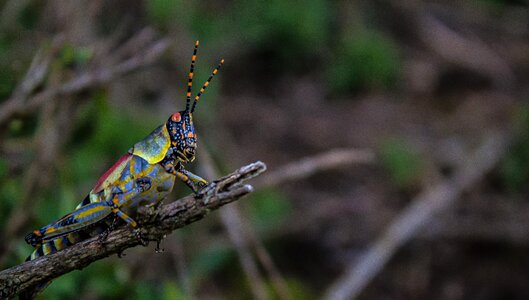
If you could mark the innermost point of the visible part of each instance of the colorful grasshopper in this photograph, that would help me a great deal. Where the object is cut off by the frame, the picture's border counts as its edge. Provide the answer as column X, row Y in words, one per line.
column 143, row 176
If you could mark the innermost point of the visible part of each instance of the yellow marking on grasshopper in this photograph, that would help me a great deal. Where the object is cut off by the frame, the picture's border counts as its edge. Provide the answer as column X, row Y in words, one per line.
column 46, row 249
column 59, row 243
column 90, row 211
column 50, row 230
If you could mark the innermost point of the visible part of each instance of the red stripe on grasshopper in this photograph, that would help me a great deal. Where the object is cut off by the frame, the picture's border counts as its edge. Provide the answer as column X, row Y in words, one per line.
column 118, row 166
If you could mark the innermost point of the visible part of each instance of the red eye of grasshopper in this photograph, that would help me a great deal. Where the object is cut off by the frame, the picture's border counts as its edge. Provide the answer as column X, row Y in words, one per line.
column 176, row 117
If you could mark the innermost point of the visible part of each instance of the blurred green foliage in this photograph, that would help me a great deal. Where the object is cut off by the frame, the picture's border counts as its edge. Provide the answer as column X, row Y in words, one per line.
column 71, row 56
column 98, row 280
column 8, row 76
column 3, row 168
column 171, row 291
column 402, row 163
column 286, row 29
column 291, row 28
column 207, row 261
column 162, row 12
column 493, row 4
column 29, row 16
column 143, row 290
column 23, row 128
column 10, row 192
column 7, row 80
column 299, row 291
column 364, row 60
column 268, row 208
column 515, row 167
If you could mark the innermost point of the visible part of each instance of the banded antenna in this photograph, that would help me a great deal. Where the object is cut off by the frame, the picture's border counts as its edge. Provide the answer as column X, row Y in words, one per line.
column 206, row 84
column 190, row 80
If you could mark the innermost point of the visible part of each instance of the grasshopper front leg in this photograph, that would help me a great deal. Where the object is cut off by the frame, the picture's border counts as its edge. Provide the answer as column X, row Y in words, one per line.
column 193, row 181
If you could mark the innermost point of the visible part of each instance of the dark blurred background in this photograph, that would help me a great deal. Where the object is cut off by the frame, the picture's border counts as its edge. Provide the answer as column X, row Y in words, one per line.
column 407, row 96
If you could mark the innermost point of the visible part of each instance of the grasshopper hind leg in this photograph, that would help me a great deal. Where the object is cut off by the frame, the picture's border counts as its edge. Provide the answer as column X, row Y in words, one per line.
column 81, row 218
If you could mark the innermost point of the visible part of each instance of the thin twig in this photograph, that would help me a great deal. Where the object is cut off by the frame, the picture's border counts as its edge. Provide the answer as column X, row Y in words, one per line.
column 235, row 227
column 35, row 76
column 433, row 200
column 310, row 165
column 269, row 266
column 464, row 50
column 179, row 261
column 244, row 238
column 158, row 224
column 89, row 79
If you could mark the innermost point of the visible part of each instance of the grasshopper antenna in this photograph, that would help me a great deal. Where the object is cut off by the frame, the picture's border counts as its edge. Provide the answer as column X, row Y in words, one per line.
column 206, row 84
column 190, row 80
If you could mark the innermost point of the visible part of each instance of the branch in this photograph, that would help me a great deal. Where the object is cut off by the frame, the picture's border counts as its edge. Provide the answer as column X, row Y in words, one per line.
column 311, row 165
column 454, row 47
column 418, row 214
column 18, row 105
column 156, row 226
column 235, row 228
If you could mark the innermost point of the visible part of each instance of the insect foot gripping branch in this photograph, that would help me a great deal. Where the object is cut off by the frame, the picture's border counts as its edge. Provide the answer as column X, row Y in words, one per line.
column 144, row 176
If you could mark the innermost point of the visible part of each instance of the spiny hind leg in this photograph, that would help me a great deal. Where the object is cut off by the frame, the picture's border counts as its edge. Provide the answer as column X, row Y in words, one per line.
column 74, row 221
column 133, row 224
column 120, row 198
column 121, row 215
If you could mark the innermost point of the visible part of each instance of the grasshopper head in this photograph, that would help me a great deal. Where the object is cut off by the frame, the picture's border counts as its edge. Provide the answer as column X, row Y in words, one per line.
column 180, row 124
column 183, row 136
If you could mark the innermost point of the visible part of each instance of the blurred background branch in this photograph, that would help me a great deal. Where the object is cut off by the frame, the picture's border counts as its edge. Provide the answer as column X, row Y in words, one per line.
column 416, row 215
column 145, row 54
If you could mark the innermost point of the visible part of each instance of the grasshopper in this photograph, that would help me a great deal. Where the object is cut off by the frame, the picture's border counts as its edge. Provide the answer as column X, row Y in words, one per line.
column 144, row 176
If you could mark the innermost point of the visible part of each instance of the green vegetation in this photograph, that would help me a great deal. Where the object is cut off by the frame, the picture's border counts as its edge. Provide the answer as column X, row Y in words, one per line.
column 402, row 163
column 268, row 209
column 367, row 60
column 272, row 25
column 71, row 56
column 515, row 167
